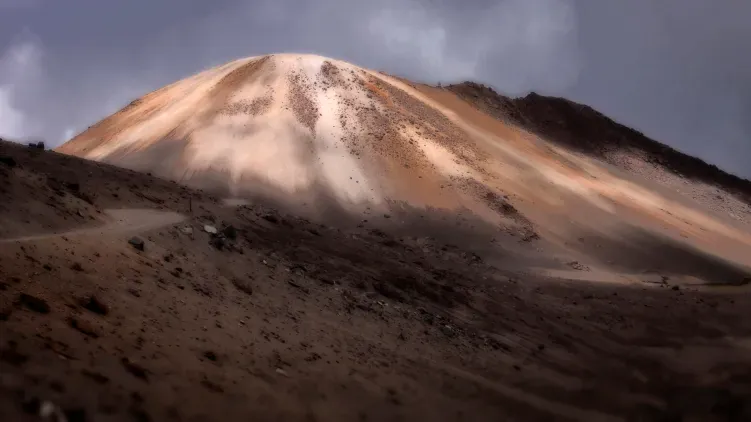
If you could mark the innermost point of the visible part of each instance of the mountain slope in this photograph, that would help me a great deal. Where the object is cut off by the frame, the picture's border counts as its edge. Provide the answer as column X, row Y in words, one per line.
column 326, row 138
column 584, row 129
column 297, row 125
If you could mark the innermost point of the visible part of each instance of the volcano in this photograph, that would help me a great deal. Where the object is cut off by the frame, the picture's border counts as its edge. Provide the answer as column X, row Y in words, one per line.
column 292, row 237
column 318, row 134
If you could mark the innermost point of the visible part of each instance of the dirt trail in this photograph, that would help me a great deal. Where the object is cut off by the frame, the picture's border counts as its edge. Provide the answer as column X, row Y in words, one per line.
column 122, row 221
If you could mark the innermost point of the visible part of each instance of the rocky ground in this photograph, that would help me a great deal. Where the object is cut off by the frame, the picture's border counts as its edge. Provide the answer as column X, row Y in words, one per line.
column 581, row 128
column 180, row 306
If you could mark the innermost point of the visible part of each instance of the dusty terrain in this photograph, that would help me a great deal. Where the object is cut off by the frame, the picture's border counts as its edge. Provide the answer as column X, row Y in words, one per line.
column 383, row 251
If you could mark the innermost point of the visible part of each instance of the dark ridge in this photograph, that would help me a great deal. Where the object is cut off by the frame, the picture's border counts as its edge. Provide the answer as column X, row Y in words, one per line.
column 583, row 129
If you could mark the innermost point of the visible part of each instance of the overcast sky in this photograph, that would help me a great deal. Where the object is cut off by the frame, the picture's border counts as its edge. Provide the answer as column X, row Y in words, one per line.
column 679, row 70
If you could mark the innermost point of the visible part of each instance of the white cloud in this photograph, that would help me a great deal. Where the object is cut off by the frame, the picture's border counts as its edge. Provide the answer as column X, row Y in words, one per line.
column 69, row 132
column 20, row 73
column 12, row 120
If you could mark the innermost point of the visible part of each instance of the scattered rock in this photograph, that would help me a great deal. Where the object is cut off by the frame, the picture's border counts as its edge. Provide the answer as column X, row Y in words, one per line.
column 448, row 331
column 134, row 369
column 95, row 305
column 578, row 266
column 298, row 286
column 137, row 243
column 50, row 411
column 388, row 291
column 83, row 327
column 210, row 229
column 96, row 376
column 34, row 303
column 270, row 218
column 217, row 242
column 243, row 286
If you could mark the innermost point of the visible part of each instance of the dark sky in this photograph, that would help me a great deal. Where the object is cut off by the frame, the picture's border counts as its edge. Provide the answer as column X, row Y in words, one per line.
column 679, row 70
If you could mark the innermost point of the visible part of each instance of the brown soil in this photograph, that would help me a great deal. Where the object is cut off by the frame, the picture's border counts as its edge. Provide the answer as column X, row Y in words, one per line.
column 416, row 315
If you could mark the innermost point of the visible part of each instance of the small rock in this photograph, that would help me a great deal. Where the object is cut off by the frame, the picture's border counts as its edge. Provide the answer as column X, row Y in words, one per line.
column 243, row 286
column 210, row 356
column 137, row 243
column 676, row 288
column 298, row 286
column 135, row 369
column 281, row 371
column 95, row 305
column 271, row 218
column 209, row 229
column 84, row 327
column 448, row 331
column 76, row 267
column 34, row 303
column 187, row 230
column 48, row 410
column 217, row 242
column 578, row 266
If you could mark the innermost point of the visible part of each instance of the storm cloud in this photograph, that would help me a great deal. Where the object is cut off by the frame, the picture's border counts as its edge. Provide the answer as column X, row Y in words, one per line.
column 679, row 70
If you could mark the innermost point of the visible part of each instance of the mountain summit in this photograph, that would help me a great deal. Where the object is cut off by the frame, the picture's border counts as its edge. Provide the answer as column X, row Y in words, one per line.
column 289, row 125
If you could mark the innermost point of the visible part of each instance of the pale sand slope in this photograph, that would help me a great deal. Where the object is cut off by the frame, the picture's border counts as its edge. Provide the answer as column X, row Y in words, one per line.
column 307, row 129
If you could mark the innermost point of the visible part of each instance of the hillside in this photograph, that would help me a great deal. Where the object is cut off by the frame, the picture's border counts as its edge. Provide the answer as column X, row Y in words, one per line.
column 581, row 128
column 292, row 237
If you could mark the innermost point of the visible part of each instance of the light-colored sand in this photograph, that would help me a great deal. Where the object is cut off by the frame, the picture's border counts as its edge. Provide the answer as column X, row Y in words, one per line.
column 302, row 127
